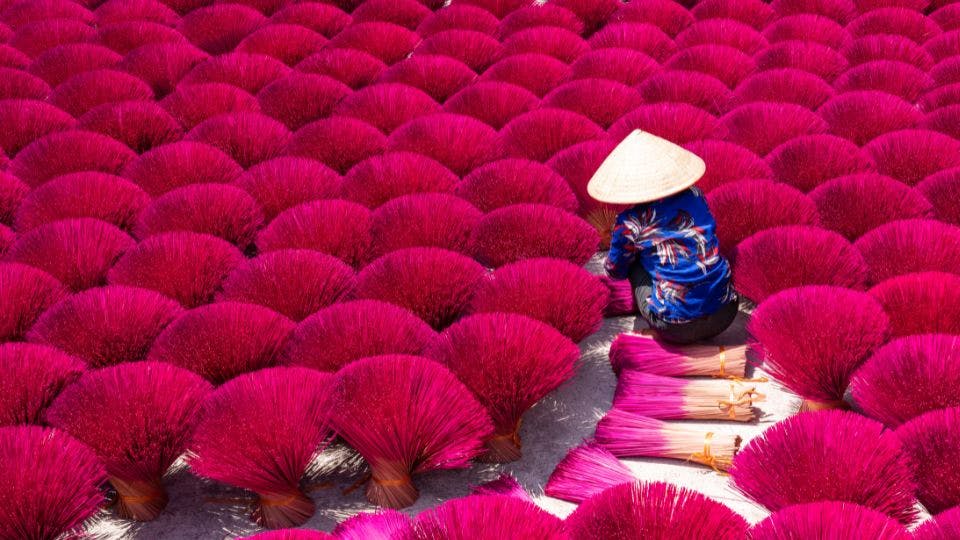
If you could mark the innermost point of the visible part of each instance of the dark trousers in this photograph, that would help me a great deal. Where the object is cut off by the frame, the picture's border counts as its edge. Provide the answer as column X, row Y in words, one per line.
column 684, row 333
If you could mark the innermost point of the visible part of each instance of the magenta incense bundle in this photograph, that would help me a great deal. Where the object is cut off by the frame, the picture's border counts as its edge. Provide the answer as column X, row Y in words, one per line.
column 493, row 103
column 28, row 293
column 137, row 417
column 931, row 442
column 830, row 520
column 406, row 426
column 630, row 435
column 641, row 352
column 530, row 360
column 384, row 524
column 259, row 432
column 668, row 398
column 31, row 376
column 488, row 517
column 585, row 471
column 945, row 526
column 655, row 510
column 505, row 484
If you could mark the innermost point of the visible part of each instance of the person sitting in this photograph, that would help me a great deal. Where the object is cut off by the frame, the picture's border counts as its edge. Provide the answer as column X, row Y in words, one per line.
column 665, row 242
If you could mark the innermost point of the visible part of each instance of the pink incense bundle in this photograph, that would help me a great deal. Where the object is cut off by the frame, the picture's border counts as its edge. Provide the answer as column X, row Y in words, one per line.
column 290, row 534
column 813, row 338
column 627, row 66
column 27, row 293
column 406, row 426
column 18, row 14
column 487, row 517
column 556, row 292
column 945, row 526
column 326, row 19
column 52, row 483
column 722, row 31
column 275, row 280
column 725, row 63
column 423, row 220
column 668, row 398
column 18, row 84
column 141, row 125
column 943, row 119
column 494, row 103
column 114, row 11
column 31, row 376
column 339, row 334
column 384, row 177
column 505, row 484
column 626, row 434
column 185, row 266
column 728, row 162
column 909, row 376
column 386, row 41
column 897, row 78
column 407, row 13
column 125, row 37
column 508, row 235
column 440, row 76
column 137, row 417
column 64, row 152
column 475, row 49
column 677, row 122
column 763, row 126
column 559, row 43
column 531, row 360
column 353, row 68
column 161, row 64
column 746, row 207
column 820, row 27
column 538, row 135
column 821, row 60
column 285, row 182
column 386, row 106
column 191, row 104
column 36, row 37
column 12, row 192
column 788, row 85
column 655, row 511
column 576, row 165
column 807, row 161
column 259, row 432
column 215, row 340
column 698, row 89
column 334, row 227
column 667, row 15
column 435, row 284
column 887, row 47
column 586, row 471
column 537, row 73
column 533, row 16
column 828, row 521
column 641, row 352
column 106, row 325
column 755, row 13
column 339, row 142
column 247, row 137
column 86, row 90
column 515, row 181
column 34, row 120
column 932, row 442
column 921, row 245
column 289, row 43
column 893, row 18
column 780, row 258
column 460, row 143
column 622, row 301
column 937, row 189
column 827, row 456
column 862, row 116
column 910, row 155
column 922, row 303
column 218, row 29
column 384, row 524
column 219, row 210
column 170, row 166
column 855, row 204
column 300, row 98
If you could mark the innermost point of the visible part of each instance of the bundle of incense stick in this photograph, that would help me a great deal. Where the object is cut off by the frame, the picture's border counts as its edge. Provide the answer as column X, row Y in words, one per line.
column 667, row 398
column 626, row 434
column 641, row 352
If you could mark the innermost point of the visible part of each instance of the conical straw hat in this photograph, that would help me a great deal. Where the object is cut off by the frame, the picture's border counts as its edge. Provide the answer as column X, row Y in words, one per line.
column 644, row 168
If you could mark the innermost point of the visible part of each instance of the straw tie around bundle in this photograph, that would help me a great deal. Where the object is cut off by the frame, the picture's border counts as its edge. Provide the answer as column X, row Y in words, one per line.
column 641, row 352
column 667, row 398
column 630, row 435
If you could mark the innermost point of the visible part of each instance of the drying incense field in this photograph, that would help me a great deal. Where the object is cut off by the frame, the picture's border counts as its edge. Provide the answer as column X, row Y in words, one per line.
column 329, row 269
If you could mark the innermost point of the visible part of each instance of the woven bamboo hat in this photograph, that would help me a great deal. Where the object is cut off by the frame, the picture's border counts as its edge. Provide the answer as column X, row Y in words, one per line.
column 644, row 168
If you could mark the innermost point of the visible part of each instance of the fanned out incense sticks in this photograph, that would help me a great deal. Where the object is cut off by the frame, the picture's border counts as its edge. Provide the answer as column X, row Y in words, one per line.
column 585, row 471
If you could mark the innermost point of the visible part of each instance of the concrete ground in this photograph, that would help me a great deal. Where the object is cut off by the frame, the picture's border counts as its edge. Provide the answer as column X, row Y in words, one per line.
column 208, row 511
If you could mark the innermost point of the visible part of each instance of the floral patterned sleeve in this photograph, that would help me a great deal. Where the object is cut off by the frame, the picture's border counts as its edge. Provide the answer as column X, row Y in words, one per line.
column 623, row 250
